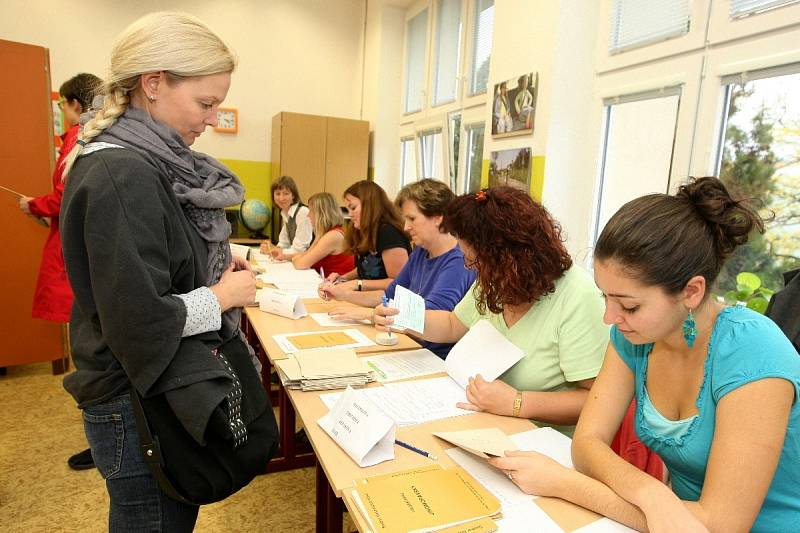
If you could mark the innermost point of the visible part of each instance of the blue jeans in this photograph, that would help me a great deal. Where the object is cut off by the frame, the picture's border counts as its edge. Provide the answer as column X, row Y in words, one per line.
column 137, row 502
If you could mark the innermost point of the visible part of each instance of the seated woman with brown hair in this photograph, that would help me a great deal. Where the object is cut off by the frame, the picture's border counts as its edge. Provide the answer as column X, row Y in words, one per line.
column 328, row 253
column 529, row 290
column 375, row 236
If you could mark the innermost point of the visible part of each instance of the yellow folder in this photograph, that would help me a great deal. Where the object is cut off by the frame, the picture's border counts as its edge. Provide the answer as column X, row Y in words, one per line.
column 425, row 499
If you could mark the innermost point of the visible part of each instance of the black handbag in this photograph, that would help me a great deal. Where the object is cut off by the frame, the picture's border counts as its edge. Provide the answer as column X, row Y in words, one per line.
column 240, row 439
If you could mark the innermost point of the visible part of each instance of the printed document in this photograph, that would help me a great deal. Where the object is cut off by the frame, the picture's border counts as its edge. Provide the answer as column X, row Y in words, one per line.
column 403, row 365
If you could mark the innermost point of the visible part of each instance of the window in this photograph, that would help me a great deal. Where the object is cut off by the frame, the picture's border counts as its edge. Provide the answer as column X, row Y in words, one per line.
column 637, row 153
column 638, row 23
column 408, row 171
column 455, row 142
column 481, row 46
column 448, row 51
column 416, row 40
column 759, row 157
column 743, row 8
column 430, row 150
column 472, row 175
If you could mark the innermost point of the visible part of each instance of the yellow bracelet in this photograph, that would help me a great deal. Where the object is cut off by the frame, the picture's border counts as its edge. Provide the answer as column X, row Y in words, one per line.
column 517, row 404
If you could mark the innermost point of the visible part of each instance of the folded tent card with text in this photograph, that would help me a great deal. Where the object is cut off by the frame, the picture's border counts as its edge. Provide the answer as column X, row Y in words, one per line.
column 360, row 428
column 281, row 303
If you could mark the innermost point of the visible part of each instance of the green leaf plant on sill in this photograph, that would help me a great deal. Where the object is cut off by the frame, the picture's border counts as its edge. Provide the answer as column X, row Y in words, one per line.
column 749, row 292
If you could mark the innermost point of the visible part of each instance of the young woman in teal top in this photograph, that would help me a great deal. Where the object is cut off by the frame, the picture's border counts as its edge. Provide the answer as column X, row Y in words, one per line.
column 715, row 399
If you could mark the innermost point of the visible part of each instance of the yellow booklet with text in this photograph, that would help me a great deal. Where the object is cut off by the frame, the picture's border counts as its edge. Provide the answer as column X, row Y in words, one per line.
column 425, row 499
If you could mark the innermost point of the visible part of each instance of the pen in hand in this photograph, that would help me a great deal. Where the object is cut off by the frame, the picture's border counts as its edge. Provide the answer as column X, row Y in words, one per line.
column 408, row 446
column 385, row 302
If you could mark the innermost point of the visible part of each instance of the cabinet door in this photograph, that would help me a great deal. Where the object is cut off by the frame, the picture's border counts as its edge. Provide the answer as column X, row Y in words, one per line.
column 26, row 155
column 347, row 154
column 303, row 152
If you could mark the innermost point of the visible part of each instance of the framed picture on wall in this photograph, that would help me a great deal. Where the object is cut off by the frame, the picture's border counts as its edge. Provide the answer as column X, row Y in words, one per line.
column 511, row 168
column 514, row 105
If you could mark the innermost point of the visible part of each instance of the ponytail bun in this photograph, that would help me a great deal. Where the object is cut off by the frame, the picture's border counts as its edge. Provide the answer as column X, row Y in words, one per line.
column 731, row 221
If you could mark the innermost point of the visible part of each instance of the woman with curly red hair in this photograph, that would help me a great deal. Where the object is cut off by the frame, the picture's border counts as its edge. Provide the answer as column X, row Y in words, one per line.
column 527, row 288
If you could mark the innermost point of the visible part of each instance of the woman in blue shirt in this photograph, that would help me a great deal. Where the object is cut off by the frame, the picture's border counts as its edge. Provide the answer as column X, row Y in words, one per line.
column 715, row 387
column 435, row 269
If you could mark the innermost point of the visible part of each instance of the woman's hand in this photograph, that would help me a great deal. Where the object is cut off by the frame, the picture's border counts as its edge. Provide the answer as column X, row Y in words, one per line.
column 240, row 263
column 534, row 473
column 350, row 312
column 278, row 255
column 494, row 397
column 24, row 204
column 382, row 318
column 235, row 288
column 266, row 247
column 665, row 514
column 334, row 287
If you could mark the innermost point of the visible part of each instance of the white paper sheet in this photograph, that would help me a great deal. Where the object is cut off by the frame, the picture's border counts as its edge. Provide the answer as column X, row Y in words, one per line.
column 239, row 250
column 411, row 307
column 546, row 441
column 360, row 428
column 281, row 303
column 414, row 402
column 324, row 320
column 284, row 340
column 526, row 517
column 483, row 350
column 403, row 365
column 491, row 478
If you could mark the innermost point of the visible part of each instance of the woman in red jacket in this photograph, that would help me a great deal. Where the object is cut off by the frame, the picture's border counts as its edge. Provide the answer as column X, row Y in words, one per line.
column 53, row 297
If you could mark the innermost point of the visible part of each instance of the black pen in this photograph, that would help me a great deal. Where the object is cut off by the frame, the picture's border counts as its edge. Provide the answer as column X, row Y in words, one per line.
column 407, row 446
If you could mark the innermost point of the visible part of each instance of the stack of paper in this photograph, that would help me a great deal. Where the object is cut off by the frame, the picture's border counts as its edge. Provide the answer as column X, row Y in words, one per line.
column 323, row 370
column 425, row 499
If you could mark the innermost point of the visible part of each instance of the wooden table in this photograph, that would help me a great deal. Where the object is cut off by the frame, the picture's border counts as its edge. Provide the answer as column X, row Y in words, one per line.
column 259, row 327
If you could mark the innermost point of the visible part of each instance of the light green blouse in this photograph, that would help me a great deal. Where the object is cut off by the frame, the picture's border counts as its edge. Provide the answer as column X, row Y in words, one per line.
column 562, row 335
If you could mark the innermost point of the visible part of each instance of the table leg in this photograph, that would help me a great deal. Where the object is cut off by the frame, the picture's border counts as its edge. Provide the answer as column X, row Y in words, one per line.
column 289, row 456
column 329, row 509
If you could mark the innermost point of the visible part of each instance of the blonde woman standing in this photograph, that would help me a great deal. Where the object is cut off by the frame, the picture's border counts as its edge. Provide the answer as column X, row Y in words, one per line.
column 157, row 294
column 328, row 253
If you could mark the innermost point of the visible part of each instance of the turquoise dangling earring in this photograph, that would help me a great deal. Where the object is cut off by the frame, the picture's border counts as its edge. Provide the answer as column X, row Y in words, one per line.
column 689, row 329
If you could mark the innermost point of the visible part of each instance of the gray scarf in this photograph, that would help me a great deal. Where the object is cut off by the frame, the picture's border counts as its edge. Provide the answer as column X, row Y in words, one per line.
column 204, row 186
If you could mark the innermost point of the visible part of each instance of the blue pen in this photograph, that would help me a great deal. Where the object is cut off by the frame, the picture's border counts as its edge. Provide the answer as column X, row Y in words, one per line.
column 407, row 446
column 385, row 301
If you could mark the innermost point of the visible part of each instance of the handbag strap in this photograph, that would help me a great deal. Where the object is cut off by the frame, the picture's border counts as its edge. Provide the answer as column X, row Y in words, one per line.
column 151, row 451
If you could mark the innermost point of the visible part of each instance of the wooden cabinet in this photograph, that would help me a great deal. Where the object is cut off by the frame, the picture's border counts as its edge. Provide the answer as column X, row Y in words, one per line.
column 320, row 153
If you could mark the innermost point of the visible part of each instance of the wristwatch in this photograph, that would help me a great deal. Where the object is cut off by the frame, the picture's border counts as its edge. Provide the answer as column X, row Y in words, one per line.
column 517, row 404
column 359, row 285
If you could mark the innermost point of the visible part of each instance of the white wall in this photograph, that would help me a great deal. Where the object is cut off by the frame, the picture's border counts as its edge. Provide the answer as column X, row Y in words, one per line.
column 294, row 55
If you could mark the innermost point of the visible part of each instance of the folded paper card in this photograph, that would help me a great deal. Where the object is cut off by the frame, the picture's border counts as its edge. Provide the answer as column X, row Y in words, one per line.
column 481, row 442
column 281, row 303
column 239, row 250
column 360, row 429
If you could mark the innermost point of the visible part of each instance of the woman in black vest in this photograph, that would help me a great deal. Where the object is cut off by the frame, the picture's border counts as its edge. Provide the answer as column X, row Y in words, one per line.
column 297, row 231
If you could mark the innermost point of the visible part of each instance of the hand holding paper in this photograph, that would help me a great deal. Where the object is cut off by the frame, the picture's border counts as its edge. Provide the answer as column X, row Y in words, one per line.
column 495, row 397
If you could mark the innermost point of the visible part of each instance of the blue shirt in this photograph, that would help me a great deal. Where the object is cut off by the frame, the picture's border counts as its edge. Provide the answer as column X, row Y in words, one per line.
column 744, row 347
column 441, row 280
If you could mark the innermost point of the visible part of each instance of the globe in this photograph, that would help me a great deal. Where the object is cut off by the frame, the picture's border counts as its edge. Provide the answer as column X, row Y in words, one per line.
column 254, row 215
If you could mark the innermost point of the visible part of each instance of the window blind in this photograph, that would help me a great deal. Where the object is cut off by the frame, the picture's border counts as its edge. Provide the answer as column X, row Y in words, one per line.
column 417, row 37
column 481, row 45
column 744, row 8
column 637, row 23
